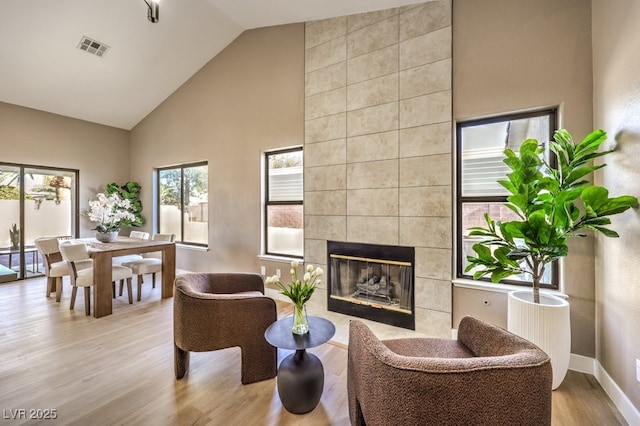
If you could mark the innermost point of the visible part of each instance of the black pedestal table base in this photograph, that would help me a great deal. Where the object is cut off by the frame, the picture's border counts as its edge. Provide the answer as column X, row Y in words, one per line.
column 301, row 374
column 300, row 382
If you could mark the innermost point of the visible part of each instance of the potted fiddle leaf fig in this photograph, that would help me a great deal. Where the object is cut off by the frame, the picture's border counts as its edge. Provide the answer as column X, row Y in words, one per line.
column 129, row 191
column 548, row 203
column 552, row 204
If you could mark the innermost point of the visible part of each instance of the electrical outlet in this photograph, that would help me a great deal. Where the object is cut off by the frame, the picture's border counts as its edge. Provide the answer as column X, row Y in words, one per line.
column 263, row 270
column 278, row 273
column 638, row 369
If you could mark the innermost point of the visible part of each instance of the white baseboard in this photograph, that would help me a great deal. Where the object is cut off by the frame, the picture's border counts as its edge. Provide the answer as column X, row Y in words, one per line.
column 626, row 407
column 582, row 364
column 591, row 366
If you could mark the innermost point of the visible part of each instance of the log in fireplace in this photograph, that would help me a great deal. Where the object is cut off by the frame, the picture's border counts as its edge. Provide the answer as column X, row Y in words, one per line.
column 372, row 281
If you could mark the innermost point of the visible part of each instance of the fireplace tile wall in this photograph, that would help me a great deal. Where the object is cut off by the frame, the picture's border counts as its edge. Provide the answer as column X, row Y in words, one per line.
column 378, row 142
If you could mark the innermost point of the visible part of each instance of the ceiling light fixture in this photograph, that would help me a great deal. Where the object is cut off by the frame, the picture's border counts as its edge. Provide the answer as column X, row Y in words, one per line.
column 154, row 10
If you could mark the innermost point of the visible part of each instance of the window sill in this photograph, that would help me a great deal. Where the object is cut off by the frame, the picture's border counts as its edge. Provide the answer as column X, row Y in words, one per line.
column 283, row 259
column 500, row 288
column 190, row 247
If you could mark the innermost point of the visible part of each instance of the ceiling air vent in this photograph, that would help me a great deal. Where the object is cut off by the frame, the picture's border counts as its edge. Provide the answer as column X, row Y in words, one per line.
column 92, row 46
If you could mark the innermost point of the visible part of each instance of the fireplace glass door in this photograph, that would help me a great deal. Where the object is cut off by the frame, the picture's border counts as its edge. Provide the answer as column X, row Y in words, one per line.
column 370, row 281
column 379, row 283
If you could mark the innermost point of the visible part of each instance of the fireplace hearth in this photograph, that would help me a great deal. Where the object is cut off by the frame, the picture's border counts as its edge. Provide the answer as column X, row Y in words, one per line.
column 372, row 281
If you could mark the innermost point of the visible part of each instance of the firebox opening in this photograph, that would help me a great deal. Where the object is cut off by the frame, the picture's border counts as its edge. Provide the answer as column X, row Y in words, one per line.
column 372, row 281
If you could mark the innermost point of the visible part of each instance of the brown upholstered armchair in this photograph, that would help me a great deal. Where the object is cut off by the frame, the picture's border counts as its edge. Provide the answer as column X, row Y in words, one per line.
column 487, row 376
column 221, row 310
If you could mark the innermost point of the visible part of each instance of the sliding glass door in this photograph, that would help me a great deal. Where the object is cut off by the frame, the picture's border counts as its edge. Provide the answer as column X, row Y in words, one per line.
column 10, row 207
column 35, row 201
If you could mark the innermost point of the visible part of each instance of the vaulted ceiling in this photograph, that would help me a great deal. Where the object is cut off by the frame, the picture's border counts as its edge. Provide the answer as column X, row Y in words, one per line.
column 41, row 66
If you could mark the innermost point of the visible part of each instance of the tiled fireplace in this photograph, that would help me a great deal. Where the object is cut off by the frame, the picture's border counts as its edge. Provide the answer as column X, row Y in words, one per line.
column 378, row 144
column 372, row 281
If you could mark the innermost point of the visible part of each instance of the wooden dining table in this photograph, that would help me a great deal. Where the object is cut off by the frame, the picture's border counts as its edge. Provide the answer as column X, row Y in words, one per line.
column 103, row 254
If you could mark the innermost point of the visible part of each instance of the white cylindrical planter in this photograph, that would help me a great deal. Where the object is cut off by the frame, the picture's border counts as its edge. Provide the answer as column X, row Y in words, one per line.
column 546, row 324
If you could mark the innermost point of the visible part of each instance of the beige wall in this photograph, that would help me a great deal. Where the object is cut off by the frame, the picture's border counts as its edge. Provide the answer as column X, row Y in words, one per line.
column 246, row 100
column 33, row 137
column 378, row 142
column 616, row 41
column 512, row 55
column 508, row 55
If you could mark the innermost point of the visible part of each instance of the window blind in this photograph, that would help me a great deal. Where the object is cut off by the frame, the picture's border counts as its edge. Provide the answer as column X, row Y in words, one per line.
column 285, row 184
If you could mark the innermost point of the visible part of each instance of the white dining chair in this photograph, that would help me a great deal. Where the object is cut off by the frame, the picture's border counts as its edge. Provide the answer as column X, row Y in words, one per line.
column 119, row 260
column 74, row 254
column 139, row 234
column 55, row 268
column 149, row 264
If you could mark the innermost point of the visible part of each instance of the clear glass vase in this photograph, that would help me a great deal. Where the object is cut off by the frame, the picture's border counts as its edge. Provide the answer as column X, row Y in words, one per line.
column 300, row 323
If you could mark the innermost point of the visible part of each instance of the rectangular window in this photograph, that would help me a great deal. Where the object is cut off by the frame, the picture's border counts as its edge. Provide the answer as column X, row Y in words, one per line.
column 283, row 204
column 183, row 203
column 480, row 151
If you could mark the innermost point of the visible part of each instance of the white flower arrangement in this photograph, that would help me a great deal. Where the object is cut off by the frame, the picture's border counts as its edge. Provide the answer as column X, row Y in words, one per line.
column 110, row 212
column 299, row 291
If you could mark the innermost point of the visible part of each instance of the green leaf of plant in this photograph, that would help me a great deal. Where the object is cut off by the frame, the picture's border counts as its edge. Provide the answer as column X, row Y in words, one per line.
column 593, row 198
column 540, row 230
column 483, row 252
column 519, row 254
column 591, row 142
column 581, row 172
column 500, row 274
column 513, row 229
column 563, row 145
column 597, row 221
column 515, row 209
column 606, row 232
column 480, row 232
column 514, row 163
column 509, row 186
column 617, row 205
column 529, row 146
column 111, row 188
column 545, row 198
column 479, row 274
column 583, row 159
column 520, row 201
column 502, row 256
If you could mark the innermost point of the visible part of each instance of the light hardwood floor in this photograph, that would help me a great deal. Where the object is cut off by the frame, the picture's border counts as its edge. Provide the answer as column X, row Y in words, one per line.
column 119, row 370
